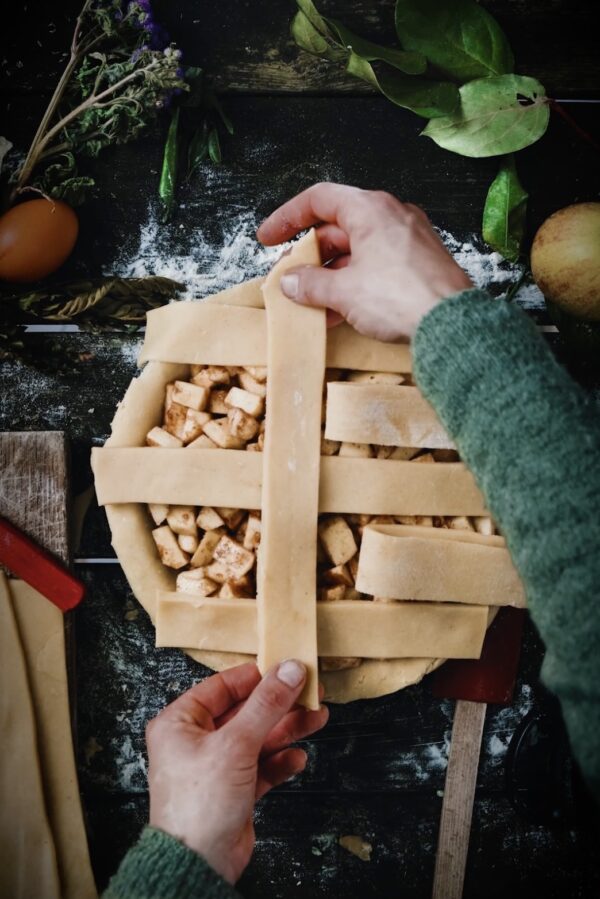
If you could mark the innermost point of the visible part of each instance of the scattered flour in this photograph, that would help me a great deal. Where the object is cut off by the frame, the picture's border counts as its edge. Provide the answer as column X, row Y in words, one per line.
column 207, row 263
column 204, row 264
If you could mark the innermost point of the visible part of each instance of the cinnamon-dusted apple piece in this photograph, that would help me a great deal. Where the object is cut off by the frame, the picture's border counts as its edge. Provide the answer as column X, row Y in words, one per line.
column 253, row 531
column 170, row 552
column 158, row 511
column 216, row 402
column 252, row 385
column 210, row 376
column 188, row 542
column 231, row 517
column 202, row 442
column 233, row 558
column 159, row 437
column 196, row 582
column 190, row 395
column 206, row 548
column 337, row 539
column 340, row 575
column 182, row 520
column 209, row 519
column 219, row 431
column 251, row 403
column 242, row 425
column 258, row 372
column 329, row 447
column 484, row 525
column 193, row 423
column 338, row 664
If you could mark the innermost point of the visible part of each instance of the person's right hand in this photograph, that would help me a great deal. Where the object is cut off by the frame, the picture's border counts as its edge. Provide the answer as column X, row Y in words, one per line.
column 387, row 268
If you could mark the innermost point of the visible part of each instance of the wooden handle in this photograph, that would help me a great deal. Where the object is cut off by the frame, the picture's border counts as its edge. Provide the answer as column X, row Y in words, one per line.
column 457, row 807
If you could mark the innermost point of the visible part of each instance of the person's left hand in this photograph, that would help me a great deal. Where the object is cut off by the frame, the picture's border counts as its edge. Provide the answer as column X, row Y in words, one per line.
column 219, row 748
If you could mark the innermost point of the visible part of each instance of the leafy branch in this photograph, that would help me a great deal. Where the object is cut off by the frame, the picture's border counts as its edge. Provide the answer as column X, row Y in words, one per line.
column 118, row 77
column 454, row 67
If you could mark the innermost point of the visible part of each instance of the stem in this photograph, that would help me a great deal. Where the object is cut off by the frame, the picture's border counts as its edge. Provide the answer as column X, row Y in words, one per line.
column 92, row 100
column 571, row 121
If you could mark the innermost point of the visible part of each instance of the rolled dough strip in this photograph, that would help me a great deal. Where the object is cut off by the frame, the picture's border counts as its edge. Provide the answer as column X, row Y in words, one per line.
column 382, row 413
column 28, row 868
column 178, row 476
column 437, row 565
column 41, row 628
column 234, row 477
column 286, row 578
column 214, row 333
column 347, row 628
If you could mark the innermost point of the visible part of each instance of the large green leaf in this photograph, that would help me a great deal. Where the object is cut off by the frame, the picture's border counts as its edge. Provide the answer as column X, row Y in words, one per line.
column 504, row 212
column 408, row 62
column 425, row 98
column 313, row 41
column 496, row 116
column 459, row 37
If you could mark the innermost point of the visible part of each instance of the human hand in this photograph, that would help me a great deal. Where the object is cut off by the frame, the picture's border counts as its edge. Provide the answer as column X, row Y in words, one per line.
column 387, row 266
column 220, row 747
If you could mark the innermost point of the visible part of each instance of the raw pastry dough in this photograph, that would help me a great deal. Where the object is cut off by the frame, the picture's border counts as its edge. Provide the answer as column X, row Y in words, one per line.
column 446, row 489
column 41, row 628
column 385, row 414
column 421, row 563
column 347, row 628
column 197, row 333
column 286, row 595
column 206, row 477
column 28, row 867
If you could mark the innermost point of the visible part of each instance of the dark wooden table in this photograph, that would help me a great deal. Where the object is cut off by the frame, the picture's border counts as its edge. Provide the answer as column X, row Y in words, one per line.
column 378, row 768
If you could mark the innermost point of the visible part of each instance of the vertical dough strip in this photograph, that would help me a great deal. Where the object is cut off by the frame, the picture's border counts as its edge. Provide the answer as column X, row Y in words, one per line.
column 286, row 594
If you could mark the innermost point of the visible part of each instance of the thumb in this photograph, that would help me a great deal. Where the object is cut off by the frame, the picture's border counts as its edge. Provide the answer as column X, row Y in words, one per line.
column 267, row 704
column 313, row 285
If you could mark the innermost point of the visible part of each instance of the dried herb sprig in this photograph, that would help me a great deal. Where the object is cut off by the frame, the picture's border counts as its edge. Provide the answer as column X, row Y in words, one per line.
column 103, row 301
column 119, row 76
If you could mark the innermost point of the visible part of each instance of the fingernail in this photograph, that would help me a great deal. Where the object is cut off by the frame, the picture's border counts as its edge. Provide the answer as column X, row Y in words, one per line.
column 289, row 285
column 291, row 673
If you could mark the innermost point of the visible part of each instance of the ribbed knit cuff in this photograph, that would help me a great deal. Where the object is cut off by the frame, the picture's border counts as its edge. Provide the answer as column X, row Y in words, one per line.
column 160, row 867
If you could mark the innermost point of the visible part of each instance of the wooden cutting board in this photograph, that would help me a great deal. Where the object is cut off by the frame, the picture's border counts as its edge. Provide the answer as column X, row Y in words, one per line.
column 33, row 487
column 34, row 496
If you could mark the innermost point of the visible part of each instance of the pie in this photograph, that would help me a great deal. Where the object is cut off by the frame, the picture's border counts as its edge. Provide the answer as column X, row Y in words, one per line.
column 275, row 489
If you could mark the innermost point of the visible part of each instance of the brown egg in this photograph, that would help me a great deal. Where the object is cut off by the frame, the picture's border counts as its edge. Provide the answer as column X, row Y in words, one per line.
column 35, row 239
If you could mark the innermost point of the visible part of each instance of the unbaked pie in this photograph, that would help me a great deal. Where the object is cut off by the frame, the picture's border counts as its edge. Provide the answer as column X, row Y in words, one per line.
column 281, row 490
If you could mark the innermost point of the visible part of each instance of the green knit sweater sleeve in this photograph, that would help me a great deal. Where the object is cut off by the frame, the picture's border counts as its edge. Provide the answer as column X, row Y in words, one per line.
column 531, row 437
column 160, row 867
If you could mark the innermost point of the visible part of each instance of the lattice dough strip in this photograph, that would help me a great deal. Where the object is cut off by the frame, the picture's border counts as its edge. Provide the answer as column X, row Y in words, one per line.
column 346, row 628
column 220, row 334
column 434, row 564
column 233, row 478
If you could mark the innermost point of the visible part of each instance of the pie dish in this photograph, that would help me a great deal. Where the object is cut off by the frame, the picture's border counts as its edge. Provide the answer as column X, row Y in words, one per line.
column 280, row 490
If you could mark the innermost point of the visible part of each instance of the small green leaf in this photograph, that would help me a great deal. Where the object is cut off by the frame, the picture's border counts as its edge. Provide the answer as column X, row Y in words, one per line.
column 213, row 102
column 214, row 147
column 308, row 9
column 425, row 98
column 168, row 175
column 504, row 212
column 410, row 63
column 460, row 38
column 313, row 41
column 73, row 190
column 496, row 116
column 197, row 150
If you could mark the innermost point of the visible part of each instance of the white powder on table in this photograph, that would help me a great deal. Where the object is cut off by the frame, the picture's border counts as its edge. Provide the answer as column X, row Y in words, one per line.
column 207, row 265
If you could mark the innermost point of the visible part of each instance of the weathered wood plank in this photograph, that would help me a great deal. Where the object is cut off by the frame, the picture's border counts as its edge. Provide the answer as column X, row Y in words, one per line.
column 249, row 49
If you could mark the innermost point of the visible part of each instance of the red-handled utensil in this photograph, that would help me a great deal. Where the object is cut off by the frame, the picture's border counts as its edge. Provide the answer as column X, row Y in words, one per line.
column 36, row 566
column 474, row 684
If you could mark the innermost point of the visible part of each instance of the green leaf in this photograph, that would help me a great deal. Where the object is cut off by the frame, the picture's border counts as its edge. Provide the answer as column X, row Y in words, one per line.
column 425, row 98
column 313, row 41
column 214, row 146
column 168, row 175
column 197, row 150
column 308, row 9
column 458, row 37
column 74, row 190
column 504, row 212
column 410, row 63
column 496, row 116
column 213, row 102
